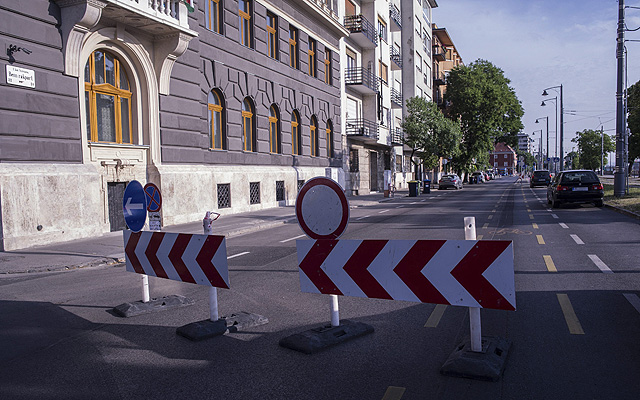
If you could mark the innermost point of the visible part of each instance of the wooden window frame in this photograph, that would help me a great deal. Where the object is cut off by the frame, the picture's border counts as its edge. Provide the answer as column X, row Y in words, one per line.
column 214, row 12
column 313, row 133
column 329, row 133
column 384, row 71
column 294, row 61
column 328, row 65
column 212, row 109
column 245, row 16
column 107, row 89
column 313, row 64
column 296, row 137
column 275, row 145
column 248, row 131
column 272, row 36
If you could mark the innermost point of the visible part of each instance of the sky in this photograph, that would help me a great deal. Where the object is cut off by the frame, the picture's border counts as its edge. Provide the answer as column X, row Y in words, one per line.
column 544, row 43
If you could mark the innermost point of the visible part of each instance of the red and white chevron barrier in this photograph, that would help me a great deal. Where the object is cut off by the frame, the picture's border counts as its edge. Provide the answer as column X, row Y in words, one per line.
column 199, row 259
column 453, row 272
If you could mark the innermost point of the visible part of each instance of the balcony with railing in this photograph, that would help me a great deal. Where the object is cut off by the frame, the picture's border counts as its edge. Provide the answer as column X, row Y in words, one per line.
column 361, row 80
column 394, row 15
column 439, row 53
column 361, row 31
column 156, row 17
column 362, row 129
column 396, row 98
column 439, row 78
column 397, row 136
column 396, row 57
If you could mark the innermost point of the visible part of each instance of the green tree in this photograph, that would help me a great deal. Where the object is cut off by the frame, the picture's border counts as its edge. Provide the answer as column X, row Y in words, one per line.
column 572, row 160
column 487, row 108
column 590, row 146
column 633, row 121
column 527, row 159
column 429, row 133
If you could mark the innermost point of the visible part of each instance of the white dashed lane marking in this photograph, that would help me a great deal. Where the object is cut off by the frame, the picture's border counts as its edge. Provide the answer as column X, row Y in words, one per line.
column 600, row 264
column 576, row 239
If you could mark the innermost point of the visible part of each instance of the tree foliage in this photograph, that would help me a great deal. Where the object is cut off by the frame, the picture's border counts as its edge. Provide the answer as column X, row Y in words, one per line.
column 590, row 146
column 527, row 158
column 429, row 133
column 486, row 106
column 633, row 122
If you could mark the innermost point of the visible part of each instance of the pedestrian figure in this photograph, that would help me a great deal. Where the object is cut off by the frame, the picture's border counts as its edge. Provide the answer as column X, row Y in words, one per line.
column 519, row 178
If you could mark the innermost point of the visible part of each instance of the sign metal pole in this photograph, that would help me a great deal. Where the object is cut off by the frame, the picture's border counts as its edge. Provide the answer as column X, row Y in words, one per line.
column 474, row 312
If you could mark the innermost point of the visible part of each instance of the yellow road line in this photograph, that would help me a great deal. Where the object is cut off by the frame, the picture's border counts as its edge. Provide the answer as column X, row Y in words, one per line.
column 493, row 210
column 436, row 314
column 479, row 237
column 528, row 210
column 490, row 216
column 540, row 239
column 394, row 393
column 485, row 226
column 535, row 226
column 569, row 315
column 530, row 216
column 551, row 267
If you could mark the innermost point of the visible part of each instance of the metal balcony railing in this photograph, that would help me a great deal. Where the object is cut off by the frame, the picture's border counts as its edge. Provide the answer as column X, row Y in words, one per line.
column 362, row 127
column 361, row 76
column 439, row 78
column 396, row 97
column 439, row 53
column 396, row 57
column 394, row 14
column 359, row 24
column 397, row 136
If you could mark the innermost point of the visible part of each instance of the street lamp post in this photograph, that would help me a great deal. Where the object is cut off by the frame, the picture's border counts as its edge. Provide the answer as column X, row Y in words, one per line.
column 539, row 148
column 547, row 157
column 544, row 93
column 555, row 149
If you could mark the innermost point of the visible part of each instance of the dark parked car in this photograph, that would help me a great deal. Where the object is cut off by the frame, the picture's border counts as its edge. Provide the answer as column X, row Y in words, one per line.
column 541, row 177
column 450, row 180
column 575, row 186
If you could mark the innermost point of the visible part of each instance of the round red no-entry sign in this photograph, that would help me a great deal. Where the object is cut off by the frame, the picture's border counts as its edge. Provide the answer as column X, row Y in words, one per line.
column 322, row 209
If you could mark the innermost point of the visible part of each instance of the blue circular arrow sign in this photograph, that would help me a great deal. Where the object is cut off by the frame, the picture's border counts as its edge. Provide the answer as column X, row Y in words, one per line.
column 134, row 205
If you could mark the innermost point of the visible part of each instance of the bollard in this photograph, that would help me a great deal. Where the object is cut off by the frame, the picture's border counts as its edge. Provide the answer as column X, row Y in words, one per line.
column 207, row 223
column 474, row 312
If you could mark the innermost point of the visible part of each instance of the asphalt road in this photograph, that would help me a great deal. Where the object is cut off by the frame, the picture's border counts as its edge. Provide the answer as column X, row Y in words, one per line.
column 575, row 333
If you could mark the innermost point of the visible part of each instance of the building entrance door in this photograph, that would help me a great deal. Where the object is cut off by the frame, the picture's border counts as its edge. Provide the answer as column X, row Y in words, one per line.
column 115, row 193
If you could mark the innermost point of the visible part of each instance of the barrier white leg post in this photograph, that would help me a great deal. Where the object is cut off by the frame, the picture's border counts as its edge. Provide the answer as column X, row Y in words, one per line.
column 145, row 289
column 335, row 312
column 474, row 312
column 213, row 304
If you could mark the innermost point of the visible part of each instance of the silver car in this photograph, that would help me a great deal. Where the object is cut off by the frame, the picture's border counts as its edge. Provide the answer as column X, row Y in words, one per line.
column 450, row 180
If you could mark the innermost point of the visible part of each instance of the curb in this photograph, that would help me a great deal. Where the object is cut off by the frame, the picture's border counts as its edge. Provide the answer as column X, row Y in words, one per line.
column 623, row 211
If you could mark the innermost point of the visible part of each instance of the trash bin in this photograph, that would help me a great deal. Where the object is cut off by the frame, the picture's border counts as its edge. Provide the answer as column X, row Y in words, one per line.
column 414, row 188
column 426, row 186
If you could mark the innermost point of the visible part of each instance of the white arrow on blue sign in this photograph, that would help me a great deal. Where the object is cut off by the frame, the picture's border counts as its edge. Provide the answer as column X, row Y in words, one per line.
column 134, row 204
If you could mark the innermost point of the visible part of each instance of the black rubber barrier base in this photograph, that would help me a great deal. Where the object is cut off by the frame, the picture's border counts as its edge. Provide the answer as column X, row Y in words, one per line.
column 486, row 365
column 317, row 339
column 154, row 305
column 201, row 330
column 206, row 329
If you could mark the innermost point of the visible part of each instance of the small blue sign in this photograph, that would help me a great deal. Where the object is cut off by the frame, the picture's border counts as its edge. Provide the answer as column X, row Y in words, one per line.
column 556, row 159
column 134, row 204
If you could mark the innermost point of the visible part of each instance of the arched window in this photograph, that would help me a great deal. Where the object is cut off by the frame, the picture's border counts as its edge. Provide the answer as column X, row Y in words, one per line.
column 215, row 117
column 275, row 143
column 329, row 131
column 107, row 96
column 296, row 136
column 315, row 144
column 248, row 126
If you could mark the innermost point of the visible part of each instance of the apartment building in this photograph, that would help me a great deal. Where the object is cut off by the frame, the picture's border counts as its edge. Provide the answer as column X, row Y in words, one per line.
column 525, row 143
column 445, row 58
column 226, row 105
column 386, row 59
column 503, row 159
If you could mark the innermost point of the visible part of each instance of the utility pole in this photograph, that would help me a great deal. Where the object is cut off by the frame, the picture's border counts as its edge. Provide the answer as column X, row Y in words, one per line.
column 619, row 182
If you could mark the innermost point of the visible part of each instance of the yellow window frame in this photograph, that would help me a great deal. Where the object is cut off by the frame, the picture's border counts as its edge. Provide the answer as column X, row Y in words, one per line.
column 247, row 125
column 293, row 48
column 109, row 90
column 214, row 10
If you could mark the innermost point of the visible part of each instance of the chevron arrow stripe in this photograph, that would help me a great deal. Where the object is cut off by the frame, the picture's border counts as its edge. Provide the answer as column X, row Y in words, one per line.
column 456, row 272
column 200, row 259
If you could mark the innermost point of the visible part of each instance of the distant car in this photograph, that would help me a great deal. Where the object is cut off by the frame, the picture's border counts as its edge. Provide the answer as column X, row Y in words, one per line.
column 450, row 180
column 477, row 177
column 575, row 186
column 540, row 177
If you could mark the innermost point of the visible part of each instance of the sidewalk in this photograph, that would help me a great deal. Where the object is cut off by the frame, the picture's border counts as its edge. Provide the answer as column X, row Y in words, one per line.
column 108, row 248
